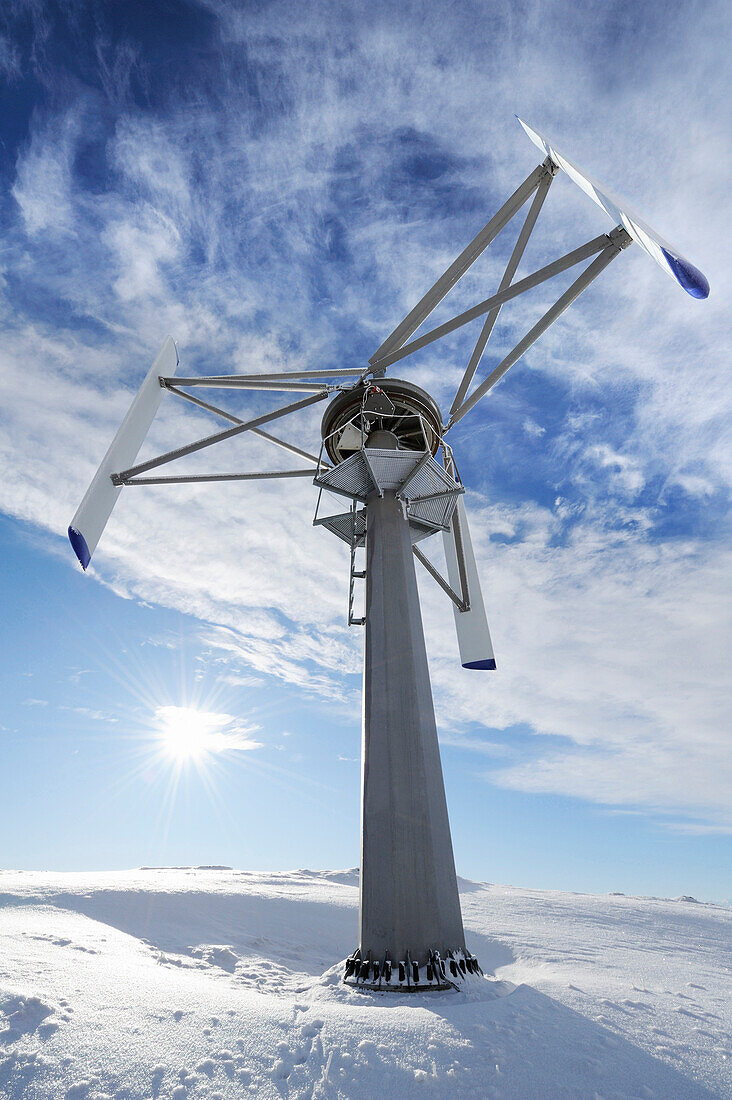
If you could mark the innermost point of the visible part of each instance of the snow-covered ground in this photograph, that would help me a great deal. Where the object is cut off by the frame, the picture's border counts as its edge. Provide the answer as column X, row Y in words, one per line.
column 196, row 982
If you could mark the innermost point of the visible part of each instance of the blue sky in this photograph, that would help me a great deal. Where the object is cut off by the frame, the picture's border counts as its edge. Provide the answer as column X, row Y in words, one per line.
column 275, row 185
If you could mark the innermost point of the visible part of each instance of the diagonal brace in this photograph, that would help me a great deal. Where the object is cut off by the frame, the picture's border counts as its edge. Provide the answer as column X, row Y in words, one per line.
column 576, row 256
column 237, row 420
column 218, row 437
column 619, row 240
column 515, row 259
column 459, row 601
column 457, row 269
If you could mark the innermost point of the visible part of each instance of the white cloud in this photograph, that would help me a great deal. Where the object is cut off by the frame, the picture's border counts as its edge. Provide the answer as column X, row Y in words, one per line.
column 615, row 644
column 9, row 59
column 625, row 471
column 532, row 428
column 217, row 227
column 43, row 187
column 140, row 247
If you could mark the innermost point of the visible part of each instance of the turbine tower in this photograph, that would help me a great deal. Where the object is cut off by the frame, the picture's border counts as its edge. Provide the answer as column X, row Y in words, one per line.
column 384, row 450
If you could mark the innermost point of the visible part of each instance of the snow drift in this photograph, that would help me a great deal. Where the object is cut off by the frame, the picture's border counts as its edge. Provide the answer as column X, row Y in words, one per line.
column 193, row 982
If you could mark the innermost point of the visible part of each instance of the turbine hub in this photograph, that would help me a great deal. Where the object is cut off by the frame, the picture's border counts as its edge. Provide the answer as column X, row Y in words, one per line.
column 401, row 410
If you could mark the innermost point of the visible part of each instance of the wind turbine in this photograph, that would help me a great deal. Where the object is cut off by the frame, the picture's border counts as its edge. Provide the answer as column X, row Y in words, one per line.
column 384, row 449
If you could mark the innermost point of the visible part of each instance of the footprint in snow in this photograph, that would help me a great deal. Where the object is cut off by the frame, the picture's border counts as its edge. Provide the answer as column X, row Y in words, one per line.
column 367, row 1048
column 283, row 1066
column 24, row 1016
column 310, row 1029
column 157, row 1079
column 227, row 1062
column 79, row 1090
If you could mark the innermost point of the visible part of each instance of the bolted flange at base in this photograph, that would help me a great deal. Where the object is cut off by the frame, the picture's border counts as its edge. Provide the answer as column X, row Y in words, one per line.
column 406, row 976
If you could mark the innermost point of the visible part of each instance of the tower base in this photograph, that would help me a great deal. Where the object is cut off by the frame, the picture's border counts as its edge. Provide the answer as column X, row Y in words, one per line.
column 406, row 976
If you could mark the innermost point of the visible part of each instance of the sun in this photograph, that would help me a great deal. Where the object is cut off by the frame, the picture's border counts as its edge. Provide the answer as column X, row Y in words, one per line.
column 184, row 733
column 188, row 735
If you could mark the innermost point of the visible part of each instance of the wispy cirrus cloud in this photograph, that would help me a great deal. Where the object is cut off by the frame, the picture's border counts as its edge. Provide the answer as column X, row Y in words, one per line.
column 280, row 204
column 9, row 59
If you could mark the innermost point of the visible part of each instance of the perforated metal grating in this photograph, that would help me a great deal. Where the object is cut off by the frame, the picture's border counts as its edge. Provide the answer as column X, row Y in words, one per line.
column 437, row 511
column 369, row 470
column 341, row 525
column 352, row 478
column 415, row 475
column 430, row 477
column 418, row 532
column 391, row 468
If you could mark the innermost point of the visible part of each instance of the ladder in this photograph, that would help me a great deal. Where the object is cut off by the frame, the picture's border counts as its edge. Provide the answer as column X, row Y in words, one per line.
column 355, row 574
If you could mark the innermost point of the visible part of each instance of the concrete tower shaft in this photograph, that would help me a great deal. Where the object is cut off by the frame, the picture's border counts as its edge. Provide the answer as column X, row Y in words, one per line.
column 409, row 895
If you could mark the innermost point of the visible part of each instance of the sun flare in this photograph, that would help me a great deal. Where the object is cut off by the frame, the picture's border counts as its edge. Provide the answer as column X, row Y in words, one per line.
column 183, row 732
column 190, row 735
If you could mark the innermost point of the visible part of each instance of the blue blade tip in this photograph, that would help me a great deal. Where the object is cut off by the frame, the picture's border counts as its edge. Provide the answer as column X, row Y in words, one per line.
column 489, row 663
column 687, row 276
column 80, row 548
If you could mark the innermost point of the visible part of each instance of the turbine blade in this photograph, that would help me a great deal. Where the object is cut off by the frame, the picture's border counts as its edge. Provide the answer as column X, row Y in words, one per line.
column 91, row 516
column 474, row 639
column 693, row 281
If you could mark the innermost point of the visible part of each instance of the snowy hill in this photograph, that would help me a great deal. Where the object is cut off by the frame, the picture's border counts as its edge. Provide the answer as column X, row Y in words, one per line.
column 208, row 982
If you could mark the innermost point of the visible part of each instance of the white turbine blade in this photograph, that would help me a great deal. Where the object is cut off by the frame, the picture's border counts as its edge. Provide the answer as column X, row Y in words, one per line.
column 100, row 498
column 666, row 256
column 474, row 639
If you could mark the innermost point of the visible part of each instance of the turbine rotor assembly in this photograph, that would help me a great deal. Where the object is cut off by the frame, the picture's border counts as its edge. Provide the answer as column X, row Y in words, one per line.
column 389, row 404
column 383, row 437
